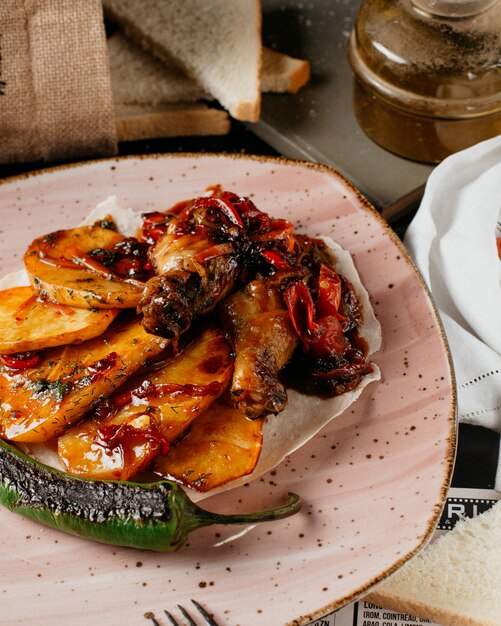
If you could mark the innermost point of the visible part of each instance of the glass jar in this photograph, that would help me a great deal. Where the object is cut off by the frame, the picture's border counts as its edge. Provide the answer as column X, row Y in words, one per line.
column 428, row 74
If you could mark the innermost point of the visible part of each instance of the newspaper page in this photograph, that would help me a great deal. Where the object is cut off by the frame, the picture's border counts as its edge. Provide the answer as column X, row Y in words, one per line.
column 460, row 503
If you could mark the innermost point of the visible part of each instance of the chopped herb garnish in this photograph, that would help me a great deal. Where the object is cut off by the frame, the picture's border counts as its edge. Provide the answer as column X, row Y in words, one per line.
column 107, row 222
column 56, row 387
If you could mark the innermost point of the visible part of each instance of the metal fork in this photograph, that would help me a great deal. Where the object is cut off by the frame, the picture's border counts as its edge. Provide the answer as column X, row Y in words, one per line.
column 209, row 620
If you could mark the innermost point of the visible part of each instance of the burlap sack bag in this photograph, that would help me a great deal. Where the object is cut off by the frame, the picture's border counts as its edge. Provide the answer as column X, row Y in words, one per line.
column 55, row 90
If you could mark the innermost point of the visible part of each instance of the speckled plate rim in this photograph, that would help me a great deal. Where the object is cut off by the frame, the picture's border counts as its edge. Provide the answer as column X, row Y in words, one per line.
column 365, row 205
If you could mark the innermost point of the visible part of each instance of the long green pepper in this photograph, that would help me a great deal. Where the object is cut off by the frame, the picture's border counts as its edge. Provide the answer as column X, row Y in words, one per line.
column 154, row 516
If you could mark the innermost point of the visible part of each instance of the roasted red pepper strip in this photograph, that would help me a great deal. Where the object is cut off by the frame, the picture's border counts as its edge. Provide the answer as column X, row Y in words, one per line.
column 21, row 360
column 302, row 311
column 329, row 293
column 255, row 220
column 330, row 339
column 231, row 212
column 322, row 336
column 276, row 260
column 282, row 230
column 154, row 226
column 225, row 205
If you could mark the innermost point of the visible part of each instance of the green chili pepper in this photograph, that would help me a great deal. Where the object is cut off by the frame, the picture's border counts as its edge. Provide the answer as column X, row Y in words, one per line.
column 154, row 516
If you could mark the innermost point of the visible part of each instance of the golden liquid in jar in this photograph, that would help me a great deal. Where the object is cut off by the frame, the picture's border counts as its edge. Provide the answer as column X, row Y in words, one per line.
column 417, row 137
column 426, row 86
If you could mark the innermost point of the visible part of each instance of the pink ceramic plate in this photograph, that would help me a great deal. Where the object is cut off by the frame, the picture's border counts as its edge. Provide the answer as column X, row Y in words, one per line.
column 373, row 481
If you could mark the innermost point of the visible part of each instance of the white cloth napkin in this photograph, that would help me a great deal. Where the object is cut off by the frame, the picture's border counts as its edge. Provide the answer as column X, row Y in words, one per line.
column 452, row 241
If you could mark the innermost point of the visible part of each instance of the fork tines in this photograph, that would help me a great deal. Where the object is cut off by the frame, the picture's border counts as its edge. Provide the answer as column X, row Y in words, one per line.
column 209, row 620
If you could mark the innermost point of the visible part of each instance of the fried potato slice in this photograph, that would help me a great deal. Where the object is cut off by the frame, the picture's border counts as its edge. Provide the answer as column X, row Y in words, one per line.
column 60, row 269
column 39, row 402
column 221, row 445
column 141, row 420
column 28, row 323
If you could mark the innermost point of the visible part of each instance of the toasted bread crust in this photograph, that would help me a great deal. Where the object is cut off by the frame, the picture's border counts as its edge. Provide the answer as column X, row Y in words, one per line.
column 446, row 617
column 136, row 123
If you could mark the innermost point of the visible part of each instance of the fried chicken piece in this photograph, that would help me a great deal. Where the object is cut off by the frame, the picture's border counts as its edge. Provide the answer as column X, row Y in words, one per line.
column 264, row 339
column 195, row 271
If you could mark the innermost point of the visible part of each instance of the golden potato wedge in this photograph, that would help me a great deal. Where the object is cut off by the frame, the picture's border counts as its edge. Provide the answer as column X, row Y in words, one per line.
column 28, row 323
column 39, row 401
column 221, row 445
column 140, row 420
column 61, row 269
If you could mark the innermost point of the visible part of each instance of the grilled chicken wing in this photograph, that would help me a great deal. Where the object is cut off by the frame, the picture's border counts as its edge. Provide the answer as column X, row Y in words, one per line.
column 264, row 340
column 203, row 248
column 196, row 262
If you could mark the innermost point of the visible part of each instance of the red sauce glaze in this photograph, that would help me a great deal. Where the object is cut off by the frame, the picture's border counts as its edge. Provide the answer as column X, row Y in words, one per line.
column 113, row 435
column 154, row 226
column 21, row 360
column 97, row 371
column 151, row 390
column 105, row 364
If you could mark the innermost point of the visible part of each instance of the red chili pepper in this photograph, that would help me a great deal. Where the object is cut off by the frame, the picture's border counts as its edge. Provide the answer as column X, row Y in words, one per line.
column 231, row 211
column 276, row 260
column 282, row 230
column 132, row 268
column 255, row 221
column 301, row 311
column 222, row 203
column 21, row 360
column 154, row 226
column 329, row 340
column 329, row 293
column 322, row 336
column 104, row 409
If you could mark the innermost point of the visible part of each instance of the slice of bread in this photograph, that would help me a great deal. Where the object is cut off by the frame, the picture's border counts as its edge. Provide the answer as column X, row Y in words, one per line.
column 152, row 99
column 455, row 581
column 137, row 77
column 136, row 122
column 282, row 73
column 215, row 42
column 156, row 99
